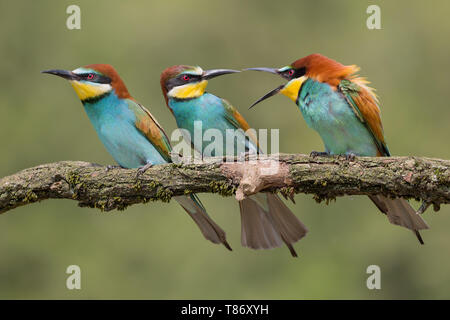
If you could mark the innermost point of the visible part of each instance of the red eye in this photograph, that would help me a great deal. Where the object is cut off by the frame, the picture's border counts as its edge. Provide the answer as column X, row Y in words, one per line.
column 291, row 72
column 90, row 76
column 186, row 77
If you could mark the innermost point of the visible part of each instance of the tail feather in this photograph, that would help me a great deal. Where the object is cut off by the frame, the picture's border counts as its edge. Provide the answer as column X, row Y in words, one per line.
column 210, row 230
column 400, row 212
column 257, row 232
column 289, row 226
column 268, row 223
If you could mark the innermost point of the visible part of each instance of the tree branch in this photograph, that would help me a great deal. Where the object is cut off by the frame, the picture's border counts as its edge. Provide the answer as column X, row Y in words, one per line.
column 325, row 177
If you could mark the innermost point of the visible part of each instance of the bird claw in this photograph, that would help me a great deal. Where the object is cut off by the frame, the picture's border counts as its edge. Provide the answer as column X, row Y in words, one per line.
column 143, row 169
column 315, row 154
column 111, row 167
column 350, row 156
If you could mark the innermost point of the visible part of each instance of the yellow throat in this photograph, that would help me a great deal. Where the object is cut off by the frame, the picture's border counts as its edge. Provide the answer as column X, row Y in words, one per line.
column 89, row 91
column 189, row 90
column 292, row 88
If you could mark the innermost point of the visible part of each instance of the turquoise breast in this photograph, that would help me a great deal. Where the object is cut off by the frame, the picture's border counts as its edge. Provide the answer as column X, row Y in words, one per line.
column 327, row 112
column 114, row 123
column 210, row 114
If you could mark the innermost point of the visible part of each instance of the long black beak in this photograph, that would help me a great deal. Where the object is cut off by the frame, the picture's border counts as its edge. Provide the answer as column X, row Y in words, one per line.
column 270, row 70
column 69, row 75
column 270, row 94
column 209, row 74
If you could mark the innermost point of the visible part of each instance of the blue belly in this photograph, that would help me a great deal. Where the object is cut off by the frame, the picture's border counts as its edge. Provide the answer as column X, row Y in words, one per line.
column 327, row 112
column 208, row 110
column 115, row 126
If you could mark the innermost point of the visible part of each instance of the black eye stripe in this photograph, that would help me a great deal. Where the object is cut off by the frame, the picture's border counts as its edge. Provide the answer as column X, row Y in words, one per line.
column 192, row 77
column 97, row 77
column 178, row 81
column 297, row 73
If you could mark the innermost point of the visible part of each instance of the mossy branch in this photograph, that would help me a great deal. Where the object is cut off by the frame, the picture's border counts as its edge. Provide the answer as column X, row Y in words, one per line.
column 324, row 177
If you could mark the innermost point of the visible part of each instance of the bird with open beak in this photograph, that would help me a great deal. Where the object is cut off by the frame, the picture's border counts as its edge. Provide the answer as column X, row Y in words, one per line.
column 339, row 105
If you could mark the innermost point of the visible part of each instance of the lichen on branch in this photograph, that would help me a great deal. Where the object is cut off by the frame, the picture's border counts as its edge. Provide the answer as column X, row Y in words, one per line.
column 325, row 177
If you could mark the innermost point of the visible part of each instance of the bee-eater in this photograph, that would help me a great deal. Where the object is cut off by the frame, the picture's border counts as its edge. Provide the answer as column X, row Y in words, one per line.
column 129, row 132
column 266, row 222
column 340, row 106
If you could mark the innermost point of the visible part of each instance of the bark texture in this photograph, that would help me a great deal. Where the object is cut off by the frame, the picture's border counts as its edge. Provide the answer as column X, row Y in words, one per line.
column 324, row 177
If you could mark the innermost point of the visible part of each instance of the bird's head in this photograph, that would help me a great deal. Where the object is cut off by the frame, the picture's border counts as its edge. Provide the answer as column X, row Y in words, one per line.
column 315, row 66
column 92, row 82
column 187, row 82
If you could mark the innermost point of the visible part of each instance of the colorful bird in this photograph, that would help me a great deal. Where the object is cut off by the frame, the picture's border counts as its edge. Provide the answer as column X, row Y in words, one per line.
column 266, row 222
column 130, row 133
column 340, row 106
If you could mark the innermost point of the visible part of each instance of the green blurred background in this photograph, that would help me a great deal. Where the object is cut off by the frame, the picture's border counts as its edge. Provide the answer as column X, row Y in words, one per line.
column 154, row 251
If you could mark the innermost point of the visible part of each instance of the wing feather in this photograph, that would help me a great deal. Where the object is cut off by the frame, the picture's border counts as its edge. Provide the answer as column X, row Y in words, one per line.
column 365, row 105
column 151, row 129
column 237, row 120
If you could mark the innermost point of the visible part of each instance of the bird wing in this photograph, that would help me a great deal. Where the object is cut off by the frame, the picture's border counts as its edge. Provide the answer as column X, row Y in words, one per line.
column 237, row 120
column 151, row 129
column 365, row 105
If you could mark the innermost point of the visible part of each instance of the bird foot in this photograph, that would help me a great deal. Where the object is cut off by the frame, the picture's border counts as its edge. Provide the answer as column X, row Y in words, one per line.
column 111, row 167
column 350, row 156
column 143, row 169
column 315, row 154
